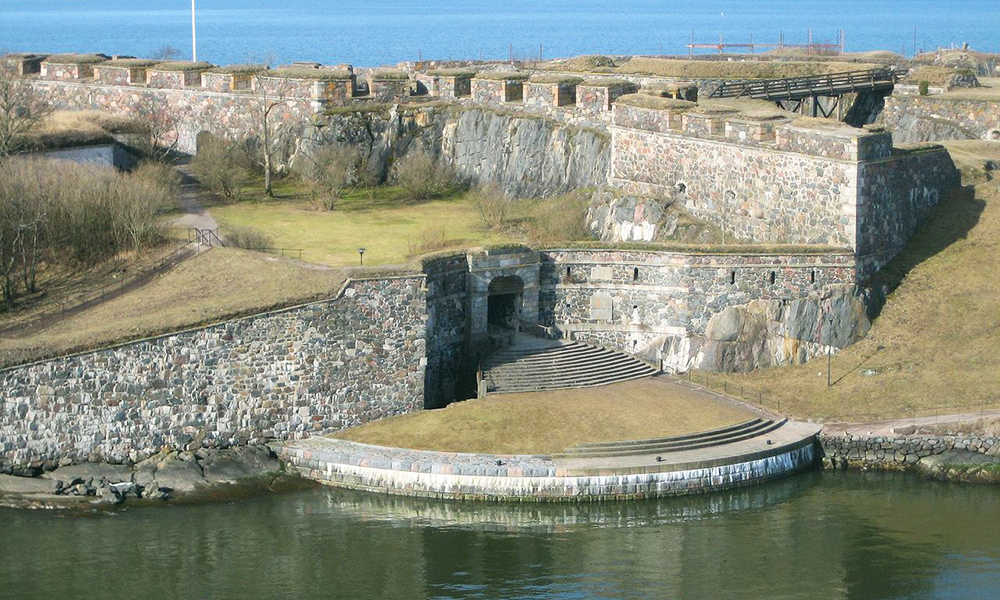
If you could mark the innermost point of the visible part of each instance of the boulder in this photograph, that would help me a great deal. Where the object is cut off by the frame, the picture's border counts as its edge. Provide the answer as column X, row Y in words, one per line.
column 94, row 471
column 236, row 464
column 179, row 475
column 11, row 484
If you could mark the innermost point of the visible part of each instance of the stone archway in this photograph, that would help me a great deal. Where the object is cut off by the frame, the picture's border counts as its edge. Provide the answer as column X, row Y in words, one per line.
column 505, row 302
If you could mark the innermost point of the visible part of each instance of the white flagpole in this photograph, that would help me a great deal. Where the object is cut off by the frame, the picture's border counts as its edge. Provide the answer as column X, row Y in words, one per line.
column 194, row 43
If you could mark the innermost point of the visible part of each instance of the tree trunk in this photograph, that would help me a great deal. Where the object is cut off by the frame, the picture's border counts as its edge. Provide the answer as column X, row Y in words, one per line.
column 268, row 191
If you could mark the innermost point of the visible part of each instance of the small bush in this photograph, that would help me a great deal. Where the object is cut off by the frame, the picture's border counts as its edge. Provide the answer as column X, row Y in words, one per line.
column 328, row 173
column 924, row 88
column 431, row 239
column 493, row 205
column 422, row 176
column 559, row 219
column 223, row 167
column 248, row 238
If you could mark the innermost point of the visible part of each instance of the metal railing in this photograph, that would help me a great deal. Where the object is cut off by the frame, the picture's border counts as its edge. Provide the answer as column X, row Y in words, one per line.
column 209, row 237
column 66, row 308
column 801, row 87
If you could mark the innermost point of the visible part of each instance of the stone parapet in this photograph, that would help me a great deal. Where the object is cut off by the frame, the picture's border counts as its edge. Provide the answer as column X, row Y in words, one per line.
column 226, row 82
column 838, row 142
column 66, row 72
column 173, row 80
column 114, row 75
column 937, row 118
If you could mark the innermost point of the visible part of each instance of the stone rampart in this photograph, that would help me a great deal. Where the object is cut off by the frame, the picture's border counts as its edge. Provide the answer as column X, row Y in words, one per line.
column 281, row 375
column 938, row 118
column 660, row 305
column 449, row 361
column 779, row 182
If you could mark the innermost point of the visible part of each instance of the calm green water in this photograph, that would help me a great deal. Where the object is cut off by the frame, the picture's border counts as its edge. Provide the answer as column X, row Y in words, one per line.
column 818, row 535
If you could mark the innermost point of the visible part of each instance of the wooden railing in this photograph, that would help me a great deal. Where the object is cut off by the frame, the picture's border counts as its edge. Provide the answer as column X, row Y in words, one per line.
column 815, row 85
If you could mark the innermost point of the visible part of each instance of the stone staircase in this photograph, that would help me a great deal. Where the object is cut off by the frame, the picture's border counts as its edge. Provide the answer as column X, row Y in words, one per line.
column 533, row 364
column 679, row 443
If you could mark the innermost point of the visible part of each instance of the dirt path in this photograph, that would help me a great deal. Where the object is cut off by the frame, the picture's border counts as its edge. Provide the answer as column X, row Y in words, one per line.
column 898, row 426
column 190, row 195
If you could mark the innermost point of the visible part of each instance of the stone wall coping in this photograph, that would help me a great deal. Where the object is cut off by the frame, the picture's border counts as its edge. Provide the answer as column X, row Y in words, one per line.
column 338, row 295
column 686, row 253
column 763, row 147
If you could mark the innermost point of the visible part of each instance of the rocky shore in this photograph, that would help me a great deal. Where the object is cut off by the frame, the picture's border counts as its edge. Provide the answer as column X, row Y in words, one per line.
column 203, row 475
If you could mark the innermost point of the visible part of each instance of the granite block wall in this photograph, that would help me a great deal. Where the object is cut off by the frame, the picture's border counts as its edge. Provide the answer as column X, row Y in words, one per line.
column 620, row 297
column 752, row 193
column 119, row 75
column 283, row 375
column 894, row 196
column 173, row 80
column 449, row 364
column 937, row 118
column 196, row 110
column 66, row 72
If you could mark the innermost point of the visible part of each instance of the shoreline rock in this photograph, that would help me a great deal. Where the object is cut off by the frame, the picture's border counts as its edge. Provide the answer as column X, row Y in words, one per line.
column 205, row 475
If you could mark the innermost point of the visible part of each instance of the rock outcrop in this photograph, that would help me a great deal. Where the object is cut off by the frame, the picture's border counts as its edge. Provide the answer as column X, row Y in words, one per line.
column 767, row 333
column 619, row 217
column 529, row 156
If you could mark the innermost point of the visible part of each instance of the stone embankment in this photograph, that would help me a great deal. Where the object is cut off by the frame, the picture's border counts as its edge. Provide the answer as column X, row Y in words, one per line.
column 973, row 458
column 203, row 474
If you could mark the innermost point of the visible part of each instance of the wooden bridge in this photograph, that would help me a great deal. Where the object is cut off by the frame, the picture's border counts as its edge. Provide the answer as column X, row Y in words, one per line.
column 790, row 92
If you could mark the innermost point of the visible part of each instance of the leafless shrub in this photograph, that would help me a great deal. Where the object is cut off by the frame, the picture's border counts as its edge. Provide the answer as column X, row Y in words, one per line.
column 222, row 166
column 422, row 176
column 63, row 212
column 248, row 238
column 159, row 125
column 493, row 205
column 329, row 173
column 430, row 239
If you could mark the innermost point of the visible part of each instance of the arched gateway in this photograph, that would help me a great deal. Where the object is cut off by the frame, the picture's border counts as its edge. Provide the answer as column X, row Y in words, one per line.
column 505, row 302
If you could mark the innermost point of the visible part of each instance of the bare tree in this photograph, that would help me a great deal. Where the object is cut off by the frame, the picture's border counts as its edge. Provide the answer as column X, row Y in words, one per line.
column 269, row 95
column 160, row 124
column 21, row 108
column 166, row 52
column 330, row 172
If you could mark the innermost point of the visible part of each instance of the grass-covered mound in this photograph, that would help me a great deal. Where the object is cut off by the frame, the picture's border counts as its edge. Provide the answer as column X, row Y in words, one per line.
column 76, row 59
column 503, row 75
column 936, row 346
column 459, row 73
column 549, row 422
column 701, row 69
column 68, row 129
column 307, row 73
column 220, row 284
column 556, row 79
column 130, row 63
column 184, row 66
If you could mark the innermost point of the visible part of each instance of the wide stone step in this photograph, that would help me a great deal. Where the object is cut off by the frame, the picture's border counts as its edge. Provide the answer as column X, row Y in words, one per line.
column 569, row 382
column 559, row 366
column 569, row 386
column 765, row 428
column 589, row 372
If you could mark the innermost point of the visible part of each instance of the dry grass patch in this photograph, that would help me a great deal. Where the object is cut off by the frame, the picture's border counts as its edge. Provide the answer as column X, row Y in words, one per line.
column 988, row 92
column 549, row 422
column 69, row 128
column 220, row 284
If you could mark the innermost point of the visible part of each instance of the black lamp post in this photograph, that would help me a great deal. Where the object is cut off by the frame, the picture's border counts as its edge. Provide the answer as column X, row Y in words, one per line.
column 361, row 254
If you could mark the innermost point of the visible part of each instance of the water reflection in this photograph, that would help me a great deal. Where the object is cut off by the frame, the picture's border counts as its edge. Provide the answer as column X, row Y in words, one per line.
column 818, row 535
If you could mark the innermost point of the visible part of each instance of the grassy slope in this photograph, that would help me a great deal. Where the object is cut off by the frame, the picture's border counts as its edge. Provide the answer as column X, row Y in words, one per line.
column 388, row 226
column 547, row 422
column 940, row 329
column 216, row 285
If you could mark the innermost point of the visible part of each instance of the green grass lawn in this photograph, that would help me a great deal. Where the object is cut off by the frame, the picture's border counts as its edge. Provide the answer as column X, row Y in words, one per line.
column 391, row 228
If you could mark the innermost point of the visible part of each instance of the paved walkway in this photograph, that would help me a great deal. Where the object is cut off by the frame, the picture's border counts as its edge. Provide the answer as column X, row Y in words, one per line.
column 893, row 426
column 189, row 196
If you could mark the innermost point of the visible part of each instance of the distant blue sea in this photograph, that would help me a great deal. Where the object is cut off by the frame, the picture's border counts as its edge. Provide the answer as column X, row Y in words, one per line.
column 374, row 32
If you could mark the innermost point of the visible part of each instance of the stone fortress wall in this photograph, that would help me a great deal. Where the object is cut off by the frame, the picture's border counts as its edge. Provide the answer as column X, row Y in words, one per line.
column 282, row 375
column 393, row 345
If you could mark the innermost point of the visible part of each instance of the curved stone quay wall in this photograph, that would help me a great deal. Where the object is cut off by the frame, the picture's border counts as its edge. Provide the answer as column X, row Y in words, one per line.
column 287, row 374
column 457, row 476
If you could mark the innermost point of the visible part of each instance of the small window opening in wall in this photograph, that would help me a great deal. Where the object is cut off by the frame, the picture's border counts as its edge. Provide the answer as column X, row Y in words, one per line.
column 812, row 276
column 635, row 344
column 995, row 135
column 732, row 277
column 635, row 274
column 568, row 273
column 681, row 187
column 771, row 277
